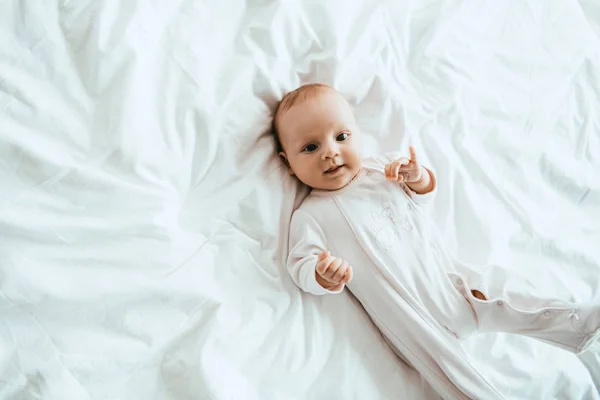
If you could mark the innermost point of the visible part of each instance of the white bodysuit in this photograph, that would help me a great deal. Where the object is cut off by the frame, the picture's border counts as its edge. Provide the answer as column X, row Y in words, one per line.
column 416, row 294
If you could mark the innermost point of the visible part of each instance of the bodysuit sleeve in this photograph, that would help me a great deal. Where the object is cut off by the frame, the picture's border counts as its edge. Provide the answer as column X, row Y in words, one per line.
column 307, row 241
column 420, row 199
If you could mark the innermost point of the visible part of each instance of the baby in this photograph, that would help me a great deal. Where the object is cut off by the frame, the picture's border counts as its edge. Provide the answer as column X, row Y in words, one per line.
column 363, row 226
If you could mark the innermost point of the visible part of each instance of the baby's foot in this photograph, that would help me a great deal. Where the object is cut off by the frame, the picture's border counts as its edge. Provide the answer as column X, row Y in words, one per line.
column 478, row 295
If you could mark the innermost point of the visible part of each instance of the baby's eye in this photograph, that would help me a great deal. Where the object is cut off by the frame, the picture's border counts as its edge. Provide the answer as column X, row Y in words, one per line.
column 342, row 136
column 309, row 148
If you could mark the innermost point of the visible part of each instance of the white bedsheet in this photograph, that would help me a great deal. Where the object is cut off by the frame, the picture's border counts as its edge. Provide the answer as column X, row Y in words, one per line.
column 144, row 213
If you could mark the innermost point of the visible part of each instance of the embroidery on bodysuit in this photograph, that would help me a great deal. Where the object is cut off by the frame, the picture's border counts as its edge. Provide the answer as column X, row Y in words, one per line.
column 380, row 232
column 400, row 225
column 386, row 234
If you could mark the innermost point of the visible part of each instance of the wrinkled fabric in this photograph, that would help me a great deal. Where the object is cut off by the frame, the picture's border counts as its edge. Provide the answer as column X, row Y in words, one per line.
column 144, row 213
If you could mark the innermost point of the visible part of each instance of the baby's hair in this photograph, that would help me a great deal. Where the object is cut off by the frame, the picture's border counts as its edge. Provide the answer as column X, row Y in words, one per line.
column 302, row 93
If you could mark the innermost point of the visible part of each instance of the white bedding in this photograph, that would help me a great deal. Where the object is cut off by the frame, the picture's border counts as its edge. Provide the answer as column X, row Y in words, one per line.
column 144, row 213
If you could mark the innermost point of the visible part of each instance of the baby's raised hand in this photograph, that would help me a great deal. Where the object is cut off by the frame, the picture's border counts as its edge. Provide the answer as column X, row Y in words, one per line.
column 404, row 169
column 332, row 272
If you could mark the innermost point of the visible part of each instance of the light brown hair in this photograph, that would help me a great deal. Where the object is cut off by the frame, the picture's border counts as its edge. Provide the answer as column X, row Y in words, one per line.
column 302, row 93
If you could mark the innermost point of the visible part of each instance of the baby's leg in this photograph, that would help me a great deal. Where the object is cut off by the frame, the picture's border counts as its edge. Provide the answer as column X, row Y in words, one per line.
column 500, row 308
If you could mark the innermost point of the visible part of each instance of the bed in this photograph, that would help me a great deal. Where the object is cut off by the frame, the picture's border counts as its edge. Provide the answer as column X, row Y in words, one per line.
column 144, row 211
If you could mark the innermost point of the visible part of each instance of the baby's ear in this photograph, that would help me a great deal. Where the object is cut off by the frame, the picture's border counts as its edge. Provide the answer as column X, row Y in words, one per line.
column 285, row 161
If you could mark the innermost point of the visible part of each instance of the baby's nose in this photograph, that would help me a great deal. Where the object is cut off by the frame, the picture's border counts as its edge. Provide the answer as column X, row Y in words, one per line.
column 330, row 152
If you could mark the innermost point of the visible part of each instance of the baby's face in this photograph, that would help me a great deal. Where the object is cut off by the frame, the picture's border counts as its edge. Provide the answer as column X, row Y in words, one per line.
column 321, row 141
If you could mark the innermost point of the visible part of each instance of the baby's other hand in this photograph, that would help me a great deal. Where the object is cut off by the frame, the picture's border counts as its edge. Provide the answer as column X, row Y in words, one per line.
column 332, row 272
column 404, row 169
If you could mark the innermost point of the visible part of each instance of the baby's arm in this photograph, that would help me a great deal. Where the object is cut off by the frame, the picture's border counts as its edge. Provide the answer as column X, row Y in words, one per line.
column 312, row 268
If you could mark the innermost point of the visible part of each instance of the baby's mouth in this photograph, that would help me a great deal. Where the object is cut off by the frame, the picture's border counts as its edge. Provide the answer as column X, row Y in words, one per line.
column 333, row 169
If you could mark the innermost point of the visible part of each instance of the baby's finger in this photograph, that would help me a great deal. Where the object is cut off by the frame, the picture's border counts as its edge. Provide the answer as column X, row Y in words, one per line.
column 413, row 153
column 341, row 271
column 387, row 170
column 399, row 176
column 347, row 276
column 394, row 170
column 408, row 171
column 403, row 160
column 323, row 255
column 333, row 268
column 323, row 266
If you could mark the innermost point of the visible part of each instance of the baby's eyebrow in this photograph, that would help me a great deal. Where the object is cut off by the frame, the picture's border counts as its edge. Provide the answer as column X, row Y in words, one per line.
column 298, row 140
column 305, row 141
